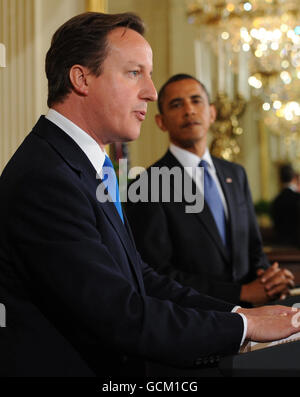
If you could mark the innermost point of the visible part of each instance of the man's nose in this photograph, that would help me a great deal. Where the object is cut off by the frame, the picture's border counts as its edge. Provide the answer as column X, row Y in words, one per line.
column 149, row 92
column 188, row 108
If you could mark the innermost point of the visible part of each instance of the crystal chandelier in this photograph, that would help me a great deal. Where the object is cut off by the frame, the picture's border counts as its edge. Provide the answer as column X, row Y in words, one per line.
column 267, row 32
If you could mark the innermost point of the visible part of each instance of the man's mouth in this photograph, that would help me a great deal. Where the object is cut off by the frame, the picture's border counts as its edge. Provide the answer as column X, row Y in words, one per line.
column 190, row 124
column 140, row 114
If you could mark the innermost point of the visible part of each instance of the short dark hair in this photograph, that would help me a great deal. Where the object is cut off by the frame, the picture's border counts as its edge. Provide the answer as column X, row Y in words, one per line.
column 82, row 40
column 172, row 79
column 286, row 173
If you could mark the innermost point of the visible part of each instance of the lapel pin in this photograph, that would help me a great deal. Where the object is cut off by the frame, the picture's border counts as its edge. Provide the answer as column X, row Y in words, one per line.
column 228, row 180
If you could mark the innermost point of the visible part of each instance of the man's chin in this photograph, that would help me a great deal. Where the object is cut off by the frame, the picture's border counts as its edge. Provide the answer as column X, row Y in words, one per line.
column 132, row 136
column 188, row 143
column 124, row 138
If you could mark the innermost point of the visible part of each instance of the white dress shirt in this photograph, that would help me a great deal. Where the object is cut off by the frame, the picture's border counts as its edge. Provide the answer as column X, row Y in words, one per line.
column 86, row 143
column 190, row 161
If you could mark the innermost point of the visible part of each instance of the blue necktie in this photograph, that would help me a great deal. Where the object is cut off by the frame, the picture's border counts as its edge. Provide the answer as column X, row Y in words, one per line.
column 213, row 200
column 111, row 183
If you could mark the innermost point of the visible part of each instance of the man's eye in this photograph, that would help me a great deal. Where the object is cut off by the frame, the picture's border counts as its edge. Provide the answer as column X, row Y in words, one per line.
column 134, row 73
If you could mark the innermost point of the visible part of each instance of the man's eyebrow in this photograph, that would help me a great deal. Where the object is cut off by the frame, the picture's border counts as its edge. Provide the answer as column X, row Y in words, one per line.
column 139, row 65
column 178, row 99
column 135, row 63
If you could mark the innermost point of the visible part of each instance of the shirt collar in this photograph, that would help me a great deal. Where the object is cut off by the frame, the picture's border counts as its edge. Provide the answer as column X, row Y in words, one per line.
column 293, row 187
column 188, row 159
column 87, row 144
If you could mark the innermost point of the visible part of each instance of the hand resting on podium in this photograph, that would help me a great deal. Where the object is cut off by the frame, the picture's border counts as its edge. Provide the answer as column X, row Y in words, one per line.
column 270, row 323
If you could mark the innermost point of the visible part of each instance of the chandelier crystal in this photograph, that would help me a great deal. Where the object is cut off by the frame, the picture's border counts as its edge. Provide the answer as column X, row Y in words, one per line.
column 267, row 32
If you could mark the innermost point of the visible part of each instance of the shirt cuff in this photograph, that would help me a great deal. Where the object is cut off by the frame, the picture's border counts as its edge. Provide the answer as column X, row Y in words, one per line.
column 245, row 323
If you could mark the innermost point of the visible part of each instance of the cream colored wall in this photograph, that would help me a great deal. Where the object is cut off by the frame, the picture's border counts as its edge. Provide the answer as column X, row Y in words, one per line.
column 49, row 15
column 2, row 55
column 16, row 108
column 26, row 27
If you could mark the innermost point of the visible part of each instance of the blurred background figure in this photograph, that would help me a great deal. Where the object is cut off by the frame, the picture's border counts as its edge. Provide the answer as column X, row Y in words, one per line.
column 285, row 209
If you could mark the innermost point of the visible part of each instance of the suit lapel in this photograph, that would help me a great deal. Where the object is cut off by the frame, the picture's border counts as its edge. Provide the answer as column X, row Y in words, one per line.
column 207, row 219
column 205, row 216
column 121, row 229
column 78, row 161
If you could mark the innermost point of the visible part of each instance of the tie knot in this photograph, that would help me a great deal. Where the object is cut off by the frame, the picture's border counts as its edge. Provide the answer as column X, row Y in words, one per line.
column 107, row 162
column 203, row 164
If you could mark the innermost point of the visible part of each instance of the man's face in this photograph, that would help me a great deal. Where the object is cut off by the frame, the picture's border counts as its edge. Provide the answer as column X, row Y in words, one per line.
column 186, row 113
column 117, row 99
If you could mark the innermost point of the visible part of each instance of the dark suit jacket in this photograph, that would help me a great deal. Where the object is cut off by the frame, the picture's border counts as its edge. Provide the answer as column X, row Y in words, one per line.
column 188, row 246
column 285, row 211
column 79, row 299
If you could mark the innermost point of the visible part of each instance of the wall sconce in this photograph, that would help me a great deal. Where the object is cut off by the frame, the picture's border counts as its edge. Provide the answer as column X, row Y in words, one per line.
column 2, row 55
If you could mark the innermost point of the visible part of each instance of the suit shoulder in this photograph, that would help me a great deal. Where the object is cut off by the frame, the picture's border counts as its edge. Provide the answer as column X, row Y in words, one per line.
column 167, row 160
column 158, row 164
column 228, row 165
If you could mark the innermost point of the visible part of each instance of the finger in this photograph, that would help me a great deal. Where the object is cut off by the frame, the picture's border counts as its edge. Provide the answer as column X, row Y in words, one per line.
column 277, row 282
column 260, row 272
column 269, row 273
column 277, row 309
column 276, row 279
column 279, row 278
column 290, row 283
column 288, row 274
column 278, row 289
column 267, row 276
column 285, row 294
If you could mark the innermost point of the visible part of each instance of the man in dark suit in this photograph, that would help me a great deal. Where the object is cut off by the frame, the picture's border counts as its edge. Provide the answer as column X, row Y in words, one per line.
column 189, row 246
column 79, row 300
column 285, row 208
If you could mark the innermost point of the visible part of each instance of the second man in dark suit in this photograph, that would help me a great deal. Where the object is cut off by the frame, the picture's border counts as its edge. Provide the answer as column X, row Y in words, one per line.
column 189, row 246
column 285, row 208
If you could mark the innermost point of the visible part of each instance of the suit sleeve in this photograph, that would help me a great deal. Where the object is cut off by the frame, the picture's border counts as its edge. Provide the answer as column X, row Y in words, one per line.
column 153, row 239
column 61, row 258
column 164, row 287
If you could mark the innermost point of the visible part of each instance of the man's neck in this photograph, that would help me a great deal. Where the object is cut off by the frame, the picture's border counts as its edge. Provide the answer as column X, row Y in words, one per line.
column 69, row 110
column 198, row 148
column 290, row 185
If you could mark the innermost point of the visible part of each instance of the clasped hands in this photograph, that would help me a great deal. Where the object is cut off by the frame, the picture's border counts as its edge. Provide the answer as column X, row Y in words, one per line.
column 270, row 284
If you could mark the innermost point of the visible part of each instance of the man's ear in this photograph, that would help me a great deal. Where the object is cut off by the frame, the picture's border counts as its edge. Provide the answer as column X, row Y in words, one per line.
column 78, row 77
column 160, row 121
column 213, row 113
